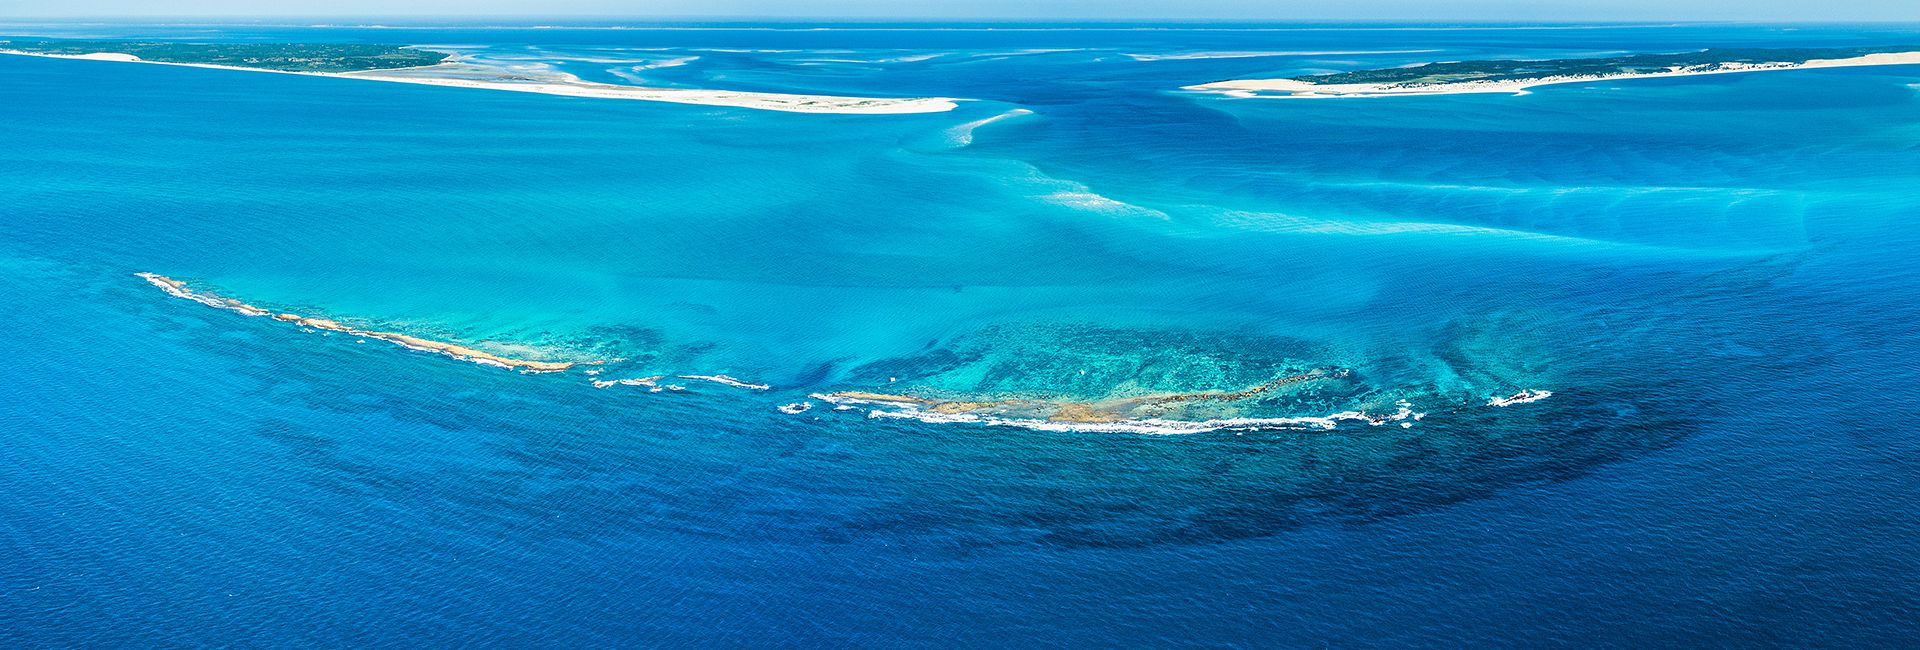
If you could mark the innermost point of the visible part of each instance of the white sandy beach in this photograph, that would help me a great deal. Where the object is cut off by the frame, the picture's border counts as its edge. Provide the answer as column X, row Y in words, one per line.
column 1293, row 88
column 571, row 86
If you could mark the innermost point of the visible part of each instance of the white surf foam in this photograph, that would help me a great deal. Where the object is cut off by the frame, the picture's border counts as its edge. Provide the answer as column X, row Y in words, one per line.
column 962, row 135
column 728, row 381
column 649, row 382
column 1083, row 199
column 1522, row 397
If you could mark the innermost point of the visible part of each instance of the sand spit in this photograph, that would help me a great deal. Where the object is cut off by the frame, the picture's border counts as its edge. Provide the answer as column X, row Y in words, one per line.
column 179, row 289
column 571, row 86
column 1295, row 88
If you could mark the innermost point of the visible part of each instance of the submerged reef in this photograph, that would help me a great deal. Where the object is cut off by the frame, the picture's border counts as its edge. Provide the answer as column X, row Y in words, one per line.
column 179, row 289
column 1076, row 377
column 1115, row 409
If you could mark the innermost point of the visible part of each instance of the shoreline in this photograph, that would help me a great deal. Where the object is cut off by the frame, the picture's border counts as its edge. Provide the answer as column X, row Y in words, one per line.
column 1297, row 89
column 570, row 86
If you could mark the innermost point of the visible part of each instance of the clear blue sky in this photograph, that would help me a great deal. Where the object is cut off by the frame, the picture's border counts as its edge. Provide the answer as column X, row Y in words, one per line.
column 1276, row 10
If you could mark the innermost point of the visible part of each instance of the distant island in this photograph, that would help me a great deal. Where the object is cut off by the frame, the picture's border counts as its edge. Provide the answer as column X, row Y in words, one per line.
column 1514, row 76
column 282, row 57
column 413, row 65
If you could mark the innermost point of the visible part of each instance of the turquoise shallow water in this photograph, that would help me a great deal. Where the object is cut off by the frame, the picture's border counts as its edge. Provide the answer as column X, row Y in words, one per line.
column 1712, row 275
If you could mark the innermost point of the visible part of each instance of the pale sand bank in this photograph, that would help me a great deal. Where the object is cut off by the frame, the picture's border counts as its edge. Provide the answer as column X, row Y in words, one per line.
column 571, row 86
column 179, row 289
column 1294, row 88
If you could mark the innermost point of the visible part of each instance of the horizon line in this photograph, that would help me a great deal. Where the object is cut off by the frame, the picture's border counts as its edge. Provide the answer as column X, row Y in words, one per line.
column 602, row 20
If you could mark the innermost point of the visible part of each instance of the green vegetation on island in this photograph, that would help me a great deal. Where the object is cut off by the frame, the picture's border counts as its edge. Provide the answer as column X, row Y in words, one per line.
column 1433, row 74
column 288, row 57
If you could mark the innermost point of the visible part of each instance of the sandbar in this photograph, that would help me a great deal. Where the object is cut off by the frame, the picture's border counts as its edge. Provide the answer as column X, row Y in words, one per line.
column 568, row 85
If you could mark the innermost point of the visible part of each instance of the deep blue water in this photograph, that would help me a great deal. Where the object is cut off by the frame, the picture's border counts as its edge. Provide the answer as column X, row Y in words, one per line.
column 1715, row 276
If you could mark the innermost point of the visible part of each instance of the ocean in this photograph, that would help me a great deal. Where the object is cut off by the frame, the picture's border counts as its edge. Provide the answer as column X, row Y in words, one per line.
column 1714, row 278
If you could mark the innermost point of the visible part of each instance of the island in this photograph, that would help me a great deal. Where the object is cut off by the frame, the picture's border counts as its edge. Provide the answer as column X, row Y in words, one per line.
column 280, row 57
column 1516, row 76
column 418, row 65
